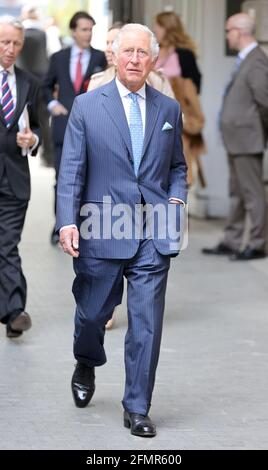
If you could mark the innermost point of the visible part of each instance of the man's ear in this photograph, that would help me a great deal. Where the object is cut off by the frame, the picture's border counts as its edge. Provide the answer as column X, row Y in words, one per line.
column 154, row 62
column 115, row 60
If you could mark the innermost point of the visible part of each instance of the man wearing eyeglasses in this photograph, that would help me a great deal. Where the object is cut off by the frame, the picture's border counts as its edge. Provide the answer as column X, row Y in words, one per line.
column 122, row 149
column 244, row 126
column 19, row 137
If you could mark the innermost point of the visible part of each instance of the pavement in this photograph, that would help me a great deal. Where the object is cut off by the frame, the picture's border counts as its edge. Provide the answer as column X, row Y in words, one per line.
column 212, row 378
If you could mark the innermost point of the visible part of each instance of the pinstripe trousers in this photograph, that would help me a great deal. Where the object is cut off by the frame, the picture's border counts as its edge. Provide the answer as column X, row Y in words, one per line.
column 98, row 288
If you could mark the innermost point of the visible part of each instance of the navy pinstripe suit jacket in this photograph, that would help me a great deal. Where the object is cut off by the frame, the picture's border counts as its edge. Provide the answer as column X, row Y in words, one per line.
column 97, row 161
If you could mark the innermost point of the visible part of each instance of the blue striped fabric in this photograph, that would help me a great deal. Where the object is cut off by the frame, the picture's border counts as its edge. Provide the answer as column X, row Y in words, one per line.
column 7, row 100
column 98, row 160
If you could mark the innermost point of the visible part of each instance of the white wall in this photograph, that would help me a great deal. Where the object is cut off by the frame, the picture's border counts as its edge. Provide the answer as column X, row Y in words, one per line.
column 216, row 68
column 100, row 12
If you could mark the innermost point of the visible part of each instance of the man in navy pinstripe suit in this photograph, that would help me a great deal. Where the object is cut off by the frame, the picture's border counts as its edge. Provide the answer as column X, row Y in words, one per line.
column 122, row 152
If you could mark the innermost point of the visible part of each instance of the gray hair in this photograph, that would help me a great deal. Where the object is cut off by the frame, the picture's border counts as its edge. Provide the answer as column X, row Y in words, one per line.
column 11, row 20
column 140, row 28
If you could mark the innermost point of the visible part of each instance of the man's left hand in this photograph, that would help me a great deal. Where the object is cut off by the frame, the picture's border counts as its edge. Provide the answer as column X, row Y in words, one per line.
column 69, row 240
column 25, row 139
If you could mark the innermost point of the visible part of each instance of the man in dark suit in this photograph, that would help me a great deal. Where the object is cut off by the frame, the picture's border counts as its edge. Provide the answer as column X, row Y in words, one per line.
column 244, row 126
column 19, row 137
column 122, row 149
column 69, row 73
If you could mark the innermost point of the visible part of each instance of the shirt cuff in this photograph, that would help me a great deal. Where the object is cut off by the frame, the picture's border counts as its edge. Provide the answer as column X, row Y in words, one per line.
column 177, row 200
column 31, row 149
column 68, row 226
column 51, row 105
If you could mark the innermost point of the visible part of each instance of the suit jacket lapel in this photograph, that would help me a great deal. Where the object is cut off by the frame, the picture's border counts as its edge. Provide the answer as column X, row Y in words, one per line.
column 114, row 107
column 152, row 111
column 22, row 86
column 89, row 70
column 91, row 64
column 241, row 66
column 66, row 59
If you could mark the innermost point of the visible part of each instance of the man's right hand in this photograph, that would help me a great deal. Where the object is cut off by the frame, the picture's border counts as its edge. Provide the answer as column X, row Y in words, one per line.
column 69, row 240
column 58, row 110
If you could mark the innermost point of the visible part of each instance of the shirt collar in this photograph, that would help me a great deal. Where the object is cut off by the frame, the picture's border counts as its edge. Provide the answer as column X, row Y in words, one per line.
column 11, row 69
column 76, row 50
column 124, row 91
column 243, row 54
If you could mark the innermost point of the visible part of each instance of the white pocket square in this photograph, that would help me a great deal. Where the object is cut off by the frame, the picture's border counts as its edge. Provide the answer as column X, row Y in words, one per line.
column 167, row 126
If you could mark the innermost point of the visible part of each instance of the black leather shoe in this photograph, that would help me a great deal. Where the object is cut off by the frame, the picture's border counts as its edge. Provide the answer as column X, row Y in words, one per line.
column 83, row 384
column 220, row 249
column 248, row 254
column 139, row 425
column 11, row 333
column 19, row 324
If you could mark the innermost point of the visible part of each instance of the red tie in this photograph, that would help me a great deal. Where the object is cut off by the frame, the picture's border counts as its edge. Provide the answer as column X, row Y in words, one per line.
column 78, row 74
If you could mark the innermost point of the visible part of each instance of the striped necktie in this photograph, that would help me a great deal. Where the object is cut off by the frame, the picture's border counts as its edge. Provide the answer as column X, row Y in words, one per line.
column 7, row 100
column 136, row 130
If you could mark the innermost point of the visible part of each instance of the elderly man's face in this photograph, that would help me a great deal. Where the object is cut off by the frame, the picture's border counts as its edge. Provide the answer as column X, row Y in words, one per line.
column 134, row 60
column 11, row 42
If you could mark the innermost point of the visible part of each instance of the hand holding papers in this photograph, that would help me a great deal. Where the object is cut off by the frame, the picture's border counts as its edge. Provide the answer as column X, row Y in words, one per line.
column 24, row 126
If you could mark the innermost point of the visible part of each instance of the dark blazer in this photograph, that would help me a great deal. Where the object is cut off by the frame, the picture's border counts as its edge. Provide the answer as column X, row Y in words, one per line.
column 244, row 114
column 58, row 74
column 189, row 67
column 11, row 159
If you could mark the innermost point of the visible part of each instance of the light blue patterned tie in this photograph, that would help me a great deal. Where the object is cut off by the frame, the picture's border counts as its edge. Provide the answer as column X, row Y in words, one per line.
column 136, row 130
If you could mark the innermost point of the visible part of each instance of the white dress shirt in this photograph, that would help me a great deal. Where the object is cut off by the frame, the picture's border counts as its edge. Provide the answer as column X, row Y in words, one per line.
column 243, row 54
column 85, row 58
column 126, row 100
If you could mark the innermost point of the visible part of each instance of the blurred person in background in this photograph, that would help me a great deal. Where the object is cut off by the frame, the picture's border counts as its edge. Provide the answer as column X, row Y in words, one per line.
column 54, row 43
column 19, row 137
column 177, row 61
column 177, row 55
column 244, row 128
column 69, row 73
column 34, row 59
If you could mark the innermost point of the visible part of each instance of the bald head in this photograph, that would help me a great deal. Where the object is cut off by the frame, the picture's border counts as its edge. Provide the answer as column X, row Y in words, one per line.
column 240, row 29
column 243, row 22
